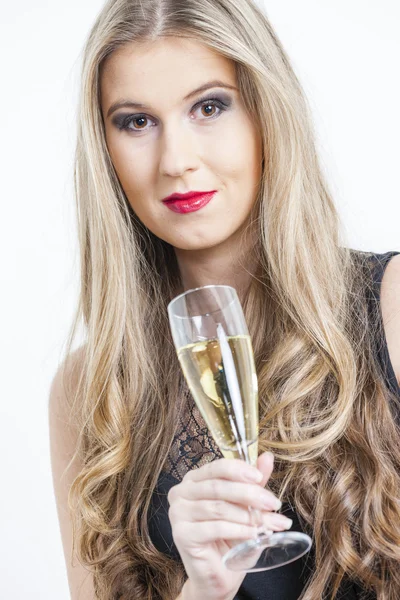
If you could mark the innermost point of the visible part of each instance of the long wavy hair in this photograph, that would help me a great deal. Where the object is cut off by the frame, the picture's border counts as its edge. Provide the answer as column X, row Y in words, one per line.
column 325, row 411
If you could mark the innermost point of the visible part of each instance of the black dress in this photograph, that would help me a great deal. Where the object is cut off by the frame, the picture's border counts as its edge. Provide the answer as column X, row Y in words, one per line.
column 193, row 447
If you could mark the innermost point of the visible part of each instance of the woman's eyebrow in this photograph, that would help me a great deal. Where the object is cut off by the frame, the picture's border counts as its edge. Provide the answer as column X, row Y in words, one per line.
column 135, row 105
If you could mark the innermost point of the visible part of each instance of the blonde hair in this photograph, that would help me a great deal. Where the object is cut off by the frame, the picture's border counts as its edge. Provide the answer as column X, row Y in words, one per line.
column 324, row 407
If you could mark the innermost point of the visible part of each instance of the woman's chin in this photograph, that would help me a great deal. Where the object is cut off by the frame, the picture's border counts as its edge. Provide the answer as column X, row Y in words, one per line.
column 198, row 245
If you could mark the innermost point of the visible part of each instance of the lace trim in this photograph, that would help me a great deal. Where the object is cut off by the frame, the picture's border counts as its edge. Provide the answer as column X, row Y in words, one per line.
column 193, row 445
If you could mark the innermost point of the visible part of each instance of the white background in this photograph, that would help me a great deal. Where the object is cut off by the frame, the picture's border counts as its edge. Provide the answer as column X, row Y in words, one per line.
column 346, row 53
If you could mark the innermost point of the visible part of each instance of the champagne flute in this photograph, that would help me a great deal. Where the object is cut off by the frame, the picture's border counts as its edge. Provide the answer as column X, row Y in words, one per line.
column 215, row 352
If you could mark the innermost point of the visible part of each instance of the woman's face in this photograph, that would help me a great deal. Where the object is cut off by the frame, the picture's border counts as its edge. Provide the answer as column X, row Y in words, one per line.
column 181, row 140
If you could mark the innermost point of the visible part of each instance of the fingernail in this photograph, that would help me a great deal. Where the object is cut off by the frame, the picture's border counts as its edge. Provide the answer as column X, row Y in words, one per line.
column 273, row 503
column 282, row 521
column 253, row 475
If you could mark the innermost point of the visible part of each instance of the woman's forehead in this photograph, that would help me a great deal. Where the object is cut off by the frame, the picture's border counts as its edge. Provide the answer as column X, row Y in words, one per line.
column 167, row 65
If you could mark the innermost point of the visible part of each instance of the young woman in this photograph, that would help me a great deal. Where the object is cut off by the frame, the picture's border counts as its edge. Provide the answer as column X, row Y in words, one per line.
column 199, row 95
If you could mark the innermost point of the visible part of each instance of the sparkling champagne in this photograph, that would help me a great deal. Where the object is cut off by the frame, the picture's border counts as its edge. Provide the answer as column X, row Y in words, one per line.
column 221, row 376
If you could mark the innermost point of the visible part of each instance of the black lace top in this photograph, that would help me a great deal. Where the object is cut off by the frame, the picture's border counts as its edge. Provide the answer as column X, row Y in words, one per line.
column 193, row 447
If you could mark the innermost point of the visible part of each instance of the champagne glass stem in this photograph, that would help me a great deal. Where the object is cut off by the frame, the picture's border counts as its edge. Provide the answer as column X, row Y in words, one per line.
column 255, row 513
column 241, row 445
column 257, row 520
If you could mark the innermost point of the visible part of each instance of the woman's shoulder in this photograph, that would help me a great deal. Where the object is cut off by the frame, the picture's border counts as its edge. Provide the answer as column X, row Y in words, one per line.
column 66, row 379
column 375, row 263
column 371, row 267
column 65, row 465
column 390, row 307
column 378, row 276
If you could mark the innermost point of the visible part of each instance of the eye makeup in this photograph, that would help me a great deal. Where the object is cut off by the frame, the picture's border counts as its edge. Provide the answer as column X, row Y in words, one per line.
column 222, row 101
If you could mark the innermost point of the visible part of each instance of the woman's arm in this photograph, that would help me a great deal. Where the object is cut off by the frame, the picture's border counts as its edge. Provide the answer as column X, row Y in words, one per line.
column 62, row 446
column 390, row 305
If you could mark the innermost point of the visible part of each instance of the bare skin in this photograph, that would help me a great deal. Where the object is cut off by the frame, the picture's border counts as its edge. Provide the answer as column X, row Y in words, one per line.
column 179, row 147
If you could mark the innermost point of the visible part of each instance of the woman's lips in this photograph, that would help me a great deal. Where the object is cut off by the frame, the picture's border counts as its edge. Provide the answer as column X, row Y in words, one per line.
column 189, row 204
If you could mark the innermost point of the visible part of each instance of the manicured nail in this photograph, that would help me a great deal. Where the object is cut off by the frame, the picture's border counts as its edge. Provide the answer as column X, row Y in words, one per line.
column 270, row 503
column 282, row 521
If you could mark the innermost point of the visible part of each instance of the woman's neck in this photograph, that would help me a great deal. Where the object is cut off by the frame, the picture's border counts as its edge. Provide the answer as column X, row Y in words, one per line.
column 227, row 264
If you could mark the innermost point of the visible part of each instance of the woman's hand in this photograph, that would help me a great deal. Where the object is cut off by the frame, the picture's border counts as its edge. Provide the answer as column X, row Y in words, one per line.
column 209, row 514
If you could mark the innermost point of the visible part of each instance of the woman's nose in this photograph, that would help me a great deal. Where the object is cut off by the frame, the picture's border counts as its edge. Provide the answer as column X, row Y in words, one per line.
column 178, row 152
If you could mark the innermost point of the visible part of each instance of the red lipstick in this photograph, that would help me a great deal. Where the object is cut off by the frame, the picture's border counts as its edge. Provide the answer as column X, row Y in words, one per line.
column 189, row 202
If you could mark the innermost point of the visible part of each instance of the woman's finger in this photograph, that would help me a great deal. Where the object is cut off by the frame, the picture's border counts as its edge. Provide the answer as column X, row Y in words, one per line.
column 246, row 494
column 218, row 510
column 211, row 531
column 232, row 469
column 265, row 464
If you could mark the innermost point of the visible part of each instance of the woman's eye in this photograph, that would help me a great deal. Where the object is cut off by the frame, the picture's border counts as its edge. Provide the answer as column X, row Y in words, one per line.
column 210, row 104
column 209, row 109
column 141, row 121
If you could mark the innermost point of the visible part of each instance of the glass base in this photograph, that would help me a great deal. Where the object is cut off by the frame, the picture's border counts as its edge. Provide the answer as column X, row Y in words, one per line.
column 267, row 551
